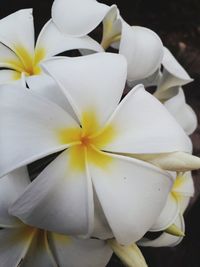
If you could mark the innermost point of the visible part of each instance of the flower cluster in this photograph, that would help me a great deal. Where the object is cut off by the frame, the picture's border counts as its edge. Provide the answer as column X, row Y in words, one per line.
column 116, row 162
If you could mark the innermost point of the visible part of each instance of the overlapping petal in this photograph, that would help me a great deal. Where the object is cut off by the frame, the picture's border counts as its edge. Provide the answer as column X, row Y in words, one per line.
column 28, row 127
column 149, row 129
column 59, row 200
column 78, row 17
column 10, row 76
column 44, row 85
column 17, row 32
column 166, row 240
column 39, row 253
column 121, row 185
column 173, row 73
column 82, row 80
column 168, row 214
column 143, row 50
column 8, row 58
column 53, row 42
column 14, row 245
column 72, row 252
column 11, row 186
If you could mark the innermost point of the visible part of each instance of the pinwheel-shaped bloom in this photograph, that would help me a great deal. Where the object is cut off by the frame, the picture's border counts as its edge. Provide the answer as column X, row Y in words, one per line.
column 31, row 247
column 172, row 214
column 142, row 47
column 96, row 142
column 19, row 53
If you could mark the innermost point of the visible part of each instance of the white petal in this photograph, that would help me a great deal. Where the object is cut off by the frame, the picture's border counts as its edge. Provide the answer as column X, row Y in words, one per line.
column 101, row 78
column 11, row 187
column 14, row 245
column 182, row 112
column 143, row 50
column 8, row 59
column 10, row 76
column 101, row 227
column 166, row 240
column 59, row 199
column 173, row 73
column 73, row 252
column 121, row 186
column 54, row 42
column 78, row 17
column 17, row 31
column 44, row 85
column 29, row 127
column 143, row 125
column 151, row 80
column 168, row 214
column 39, row 253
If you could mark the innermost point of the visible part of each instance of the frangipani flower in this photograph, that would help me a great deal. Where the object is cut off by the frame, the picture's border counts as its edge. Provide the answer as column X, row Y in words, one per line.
column 170, row 92
column 19, row 53
column 30, row 247
column 94, row 146
column 142, row 47
column 172, row 214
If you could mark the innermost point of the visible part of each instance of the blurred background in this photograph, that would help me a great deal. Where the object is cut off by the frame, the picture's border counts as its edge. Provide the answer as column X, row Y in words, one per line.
column 178, row 24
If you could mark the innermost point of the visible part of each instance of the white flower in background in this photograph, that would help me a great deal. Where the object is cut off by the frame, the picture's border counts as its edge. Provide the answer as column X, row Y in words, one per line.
column 30, row 247
column 94, row 146
column 142, row 47
column 169, row 91
column 172, row 214
column 20, row 55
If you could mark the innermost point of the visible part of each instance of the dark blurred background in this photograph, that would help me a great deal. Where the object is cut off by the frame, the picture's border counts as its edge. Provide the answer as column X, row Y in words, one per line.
column 178, row 24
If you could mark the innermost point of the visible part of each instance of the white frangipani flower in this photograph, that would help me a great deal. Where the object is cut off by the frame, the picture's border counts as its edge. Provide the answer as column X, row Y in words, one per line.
column 142, row 47
column 19, row 53
column 30, row 247
column 170, row 92
column 94, row 146
column 172, row 214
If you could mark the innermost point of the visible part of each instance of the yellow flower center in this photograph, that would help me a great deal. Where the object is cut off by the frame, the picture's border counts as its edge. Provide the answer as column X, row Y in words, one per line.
column 27, row 63
column 87, row 142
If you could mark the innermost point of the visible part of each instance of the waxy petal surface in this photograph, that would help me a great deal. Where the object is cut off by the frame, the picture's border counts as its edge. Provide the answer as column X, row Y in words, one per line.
column 11, row 187
column 143, row 50
column 82, row 80
column 166, row 240
column 132, row 195
column 17, row 32
column 53, row 42
column 78, row 17
column 29, row 127
column 73, row 252
column 143, row 125
column 59, row 199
